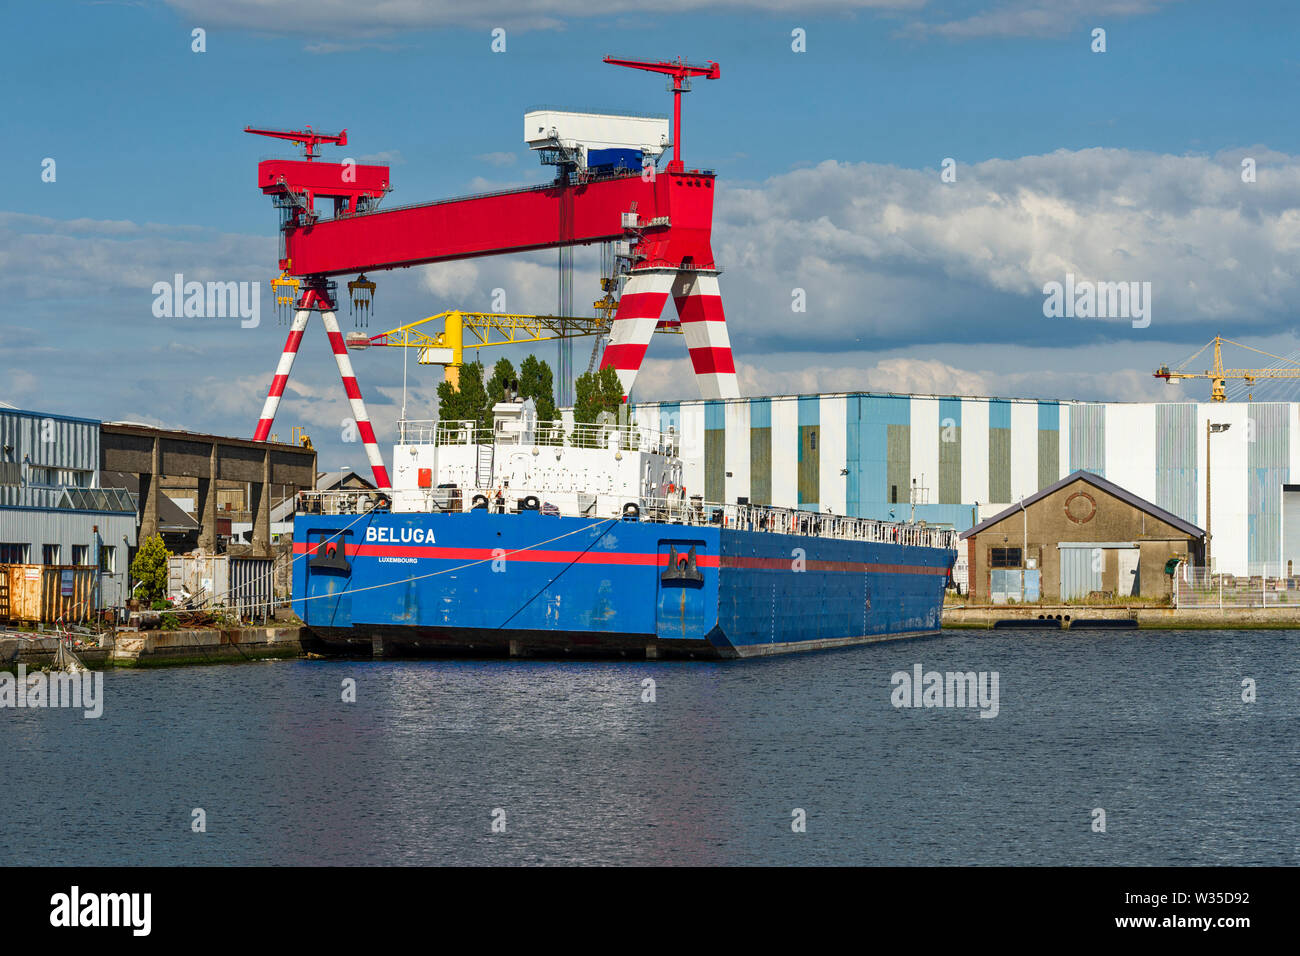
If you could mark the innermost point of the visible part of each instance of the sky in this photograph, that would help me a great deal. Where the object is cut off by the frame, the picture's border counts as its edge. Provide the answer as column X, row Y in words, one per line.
column 124, row 163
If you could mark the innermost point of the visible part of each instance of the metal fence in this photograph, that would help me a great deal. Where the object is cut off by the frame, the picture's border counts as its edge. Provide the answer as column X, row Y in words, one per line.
column 626, row 437
column 1198, row 587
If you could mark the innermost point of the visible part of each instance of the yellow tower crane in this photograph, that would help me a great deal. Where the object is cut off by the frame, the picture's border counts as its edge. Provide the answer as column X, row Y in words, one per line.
column 476, row 330
column 1218, row 374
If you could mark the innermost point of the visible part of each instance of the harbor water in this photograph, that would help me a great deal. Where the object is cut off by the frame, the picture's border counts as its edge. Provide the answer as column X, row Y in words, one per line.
column 558, row 762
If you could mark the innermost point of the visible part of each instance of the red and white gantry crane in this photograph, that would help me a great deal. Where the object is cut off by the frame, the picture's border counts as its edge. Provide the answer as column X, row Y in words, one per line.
column 666, row 217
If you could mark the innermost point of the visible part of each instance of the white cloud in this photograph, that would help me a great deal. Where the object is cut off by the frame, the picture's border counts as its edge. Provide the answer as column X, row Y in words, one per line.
column 41, row 256
column 889, row 254
column 367, row 20
column 385, row 157
column 1034, row 18
column 450, row 279
column 667, row 379
column 912, row 284
column 498, row 159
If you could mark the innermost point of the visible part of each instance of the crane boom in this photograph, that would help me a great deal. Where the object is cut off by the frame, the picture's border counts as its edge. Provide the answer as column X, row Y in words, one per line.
column 307, row 138
column 681, row 73
column 1218, row 374
column 476, row 330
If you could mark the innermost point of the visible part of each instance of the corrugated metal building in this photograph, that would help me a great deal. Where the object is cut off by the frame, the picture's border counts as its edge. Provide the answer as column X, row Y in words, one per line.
column 52, row 510
column 862, row 454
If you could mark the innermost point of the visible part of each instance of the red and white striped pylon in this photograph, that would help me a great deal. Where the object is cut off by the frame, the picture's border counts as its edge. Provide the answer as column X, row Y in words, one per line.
column 699, row 307
column 314, row 299
column 299, row 325
column 638, row 313
column 359, row 414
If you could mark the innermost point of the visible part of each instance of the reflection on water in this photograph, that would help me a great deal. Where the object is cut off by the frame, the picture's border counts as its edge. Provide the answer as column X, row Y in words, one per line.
column 1149, row 726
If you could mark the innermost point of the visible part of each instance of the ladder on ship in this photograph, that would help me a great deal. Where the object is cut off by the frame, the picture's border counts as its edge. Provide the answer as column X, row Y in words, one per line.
column 4, row 593
column 484, row 478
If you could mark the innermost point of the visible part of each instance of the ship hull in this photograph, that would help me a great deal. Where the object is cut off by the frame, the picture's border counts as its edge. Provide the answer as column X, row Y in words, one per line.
column 480, row 584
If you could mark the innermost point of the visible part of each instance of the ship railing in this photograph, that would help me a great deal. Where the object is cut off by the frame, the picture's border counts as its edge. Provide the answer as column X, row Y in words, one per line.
column 748, row 517
column 346, row 501
column 672, row 509
column 631, row 437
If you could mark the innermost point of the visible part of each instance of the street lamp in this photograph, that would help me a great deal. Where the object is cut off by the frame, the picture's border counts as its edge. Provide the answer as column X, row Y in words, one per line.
column 1211, row 428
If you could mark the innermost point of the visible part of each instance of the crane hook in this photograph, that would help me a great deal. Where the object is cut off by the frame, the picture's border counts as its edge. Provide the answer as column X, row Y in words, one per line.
column 362, row 294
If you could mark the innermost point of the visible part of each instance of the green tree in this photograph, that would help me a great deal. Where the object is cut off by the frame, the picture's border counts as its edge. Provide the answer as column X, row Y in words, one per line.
column 498, row 386
column 536, row 382
column 149, row 567
column 466, row 403
column 596, row 392
column 475, row 399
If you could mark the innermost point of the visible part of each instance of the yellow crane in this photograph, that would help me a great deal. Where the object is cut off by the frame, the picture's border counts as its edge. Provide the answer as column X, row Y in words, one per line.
column 1218, row 374
column 475, row 330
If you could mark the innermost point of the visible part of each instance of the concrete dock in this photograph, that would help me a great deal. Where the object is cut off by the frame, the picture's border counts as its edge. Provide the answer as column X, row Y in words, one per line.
column 154, row 648
column 1170, row 618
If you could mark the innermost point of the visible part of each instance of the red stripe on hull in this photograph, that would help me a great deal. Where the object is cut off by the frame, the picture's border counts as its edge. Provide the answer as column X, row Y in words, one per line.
column 786, row 564
column 437, row 552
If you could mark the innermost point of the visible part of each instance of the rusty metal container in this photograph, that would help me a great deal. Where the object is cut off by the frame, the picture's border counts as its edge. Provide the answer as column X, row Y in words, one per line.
column 46, row 593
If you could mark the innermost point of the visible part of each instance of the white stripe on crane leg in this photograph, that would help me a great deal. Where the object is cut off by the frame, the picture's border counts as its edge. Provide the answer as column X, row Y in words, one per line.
column 639, row 309
column 355, row 402
column 284, row 366
column 709, row 335
column 704, row 326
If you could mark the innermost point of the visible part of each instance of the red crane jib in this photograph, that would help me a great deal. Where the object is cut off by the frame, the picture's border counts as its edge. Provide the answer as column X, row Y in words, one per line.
column 515, row 221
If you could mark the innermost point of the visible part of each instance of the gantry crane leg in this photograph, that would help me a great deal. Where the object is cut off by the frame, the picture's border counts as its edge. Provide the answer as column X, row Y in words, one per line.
column 638, row 313
column 281, row 378
column 316, row 298
column 699, row 307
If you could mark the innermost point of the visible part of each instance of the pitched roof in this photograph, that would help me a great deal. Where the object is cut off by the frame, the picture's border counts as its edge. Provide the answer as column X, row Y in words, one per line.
column 171, row 517
column 331, row 480
column 1097, row 482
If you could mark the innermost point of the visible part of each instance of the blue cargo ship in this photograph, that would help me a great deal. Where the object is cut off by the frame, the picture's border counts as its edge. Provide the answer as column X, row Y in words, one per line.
column 538, row 540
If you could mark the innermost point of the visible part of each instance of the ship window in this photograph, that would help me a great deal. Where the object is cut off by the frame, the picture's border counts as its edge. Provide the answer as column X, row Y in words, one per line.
column 1004, row 557
column 893, row 494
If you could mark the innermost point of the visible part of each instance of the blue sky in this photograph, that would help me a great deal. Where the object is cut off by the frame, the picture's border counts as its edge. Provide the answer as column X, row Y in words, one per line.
column 828, row 163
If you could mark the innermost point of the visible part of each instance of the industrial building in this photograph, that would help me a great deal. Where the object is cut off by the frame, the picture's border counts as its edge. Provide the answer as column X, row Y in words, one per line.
column 77, row 494
column 53, row 510
column 957, row 459
column 1079, row 537
column 155, row 455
